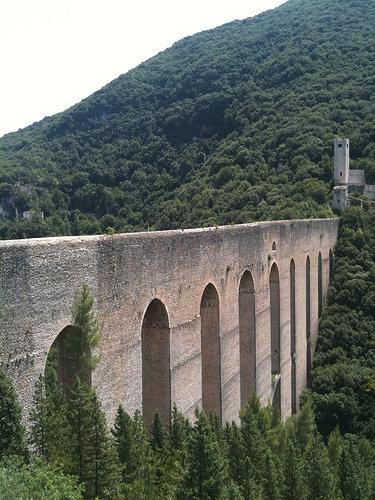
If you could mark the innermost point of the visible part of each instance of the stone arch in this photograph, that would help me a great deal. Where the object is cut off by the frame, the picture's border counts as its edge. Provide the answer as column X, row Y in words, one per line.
column 65, row 356
column 274, row 285
column 156, row 373
column 247, row 333
column 320, row 285
column 293, row 351
column 210, row 349
column 331, row 265
column 308, row 320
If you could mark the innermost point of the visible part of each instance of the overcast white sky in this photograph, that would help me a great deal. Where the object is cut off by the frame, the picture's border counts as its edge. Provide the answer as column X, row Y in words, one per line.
column 56, row 52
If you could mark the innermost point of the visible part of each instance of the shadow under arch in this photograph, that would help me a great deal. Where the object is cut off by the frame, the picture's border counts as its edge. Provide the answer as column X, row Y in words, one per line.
column 293, row 340
column 66, row 357
column 210, row 351
column 320, row 285
column 308, row 321
column 274, row 286
column 331, row 265
column 247, row 336
column 156, row 373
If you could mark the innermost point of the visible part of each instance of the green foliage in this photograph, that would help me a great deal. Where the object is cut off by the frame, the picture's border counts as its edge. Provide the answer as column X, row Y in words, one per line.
column 141, row 481
column 11, row 429
column 158, row 434
column 230, row 125
column 355, row 480
column 255, row 423
column 305, row 426
column 93, row 457
column 344, row 364
column 273, row 478
column 86, row 333
column 207, row 471
column 123, row 435
column 295, row 485
column 73, row 434
column 335, row 449
column 258, row 459
column 320, row 477
column 37, row 481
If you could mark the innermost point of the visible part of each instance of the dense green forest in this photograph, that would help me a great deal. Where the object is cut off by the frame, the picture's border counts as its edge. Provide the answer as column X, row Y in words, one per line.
column 344, row 373
column 75, row 456
column 326, row 452
column 227, row 126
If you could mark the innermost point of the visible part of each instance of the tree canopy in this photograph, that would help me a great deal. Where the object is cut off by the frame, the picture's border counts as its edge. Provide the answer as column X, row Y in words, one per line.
column 230, row 125
column 344, row 364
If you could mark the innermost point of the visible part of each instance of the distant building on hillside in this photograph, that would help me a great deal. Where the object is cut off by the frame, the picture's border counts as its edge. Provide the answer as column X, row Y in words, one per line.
column 33, row 214
column 347, row 182
column 357, row 180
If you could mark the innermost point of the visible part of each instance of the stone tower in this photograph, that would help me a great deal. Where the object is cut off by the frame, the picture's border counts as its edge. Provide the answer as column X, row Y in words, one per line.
column 341, row 162
column 340, row 198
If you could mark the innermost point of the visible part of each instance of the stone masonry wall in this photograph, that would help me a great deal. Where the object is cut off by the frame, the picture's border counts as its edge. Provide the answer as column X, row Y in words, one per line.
column 39, row 277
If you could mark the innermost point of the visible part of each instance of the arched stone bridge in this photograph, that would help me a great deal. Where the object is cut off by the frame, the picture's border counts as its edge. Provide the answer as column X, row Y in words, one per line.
column 194, row 317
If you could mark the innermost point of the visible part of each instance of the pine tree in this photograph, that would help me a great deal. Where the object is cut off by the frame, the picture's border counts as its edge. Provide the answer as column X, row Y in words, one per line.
column 179, row 433
column 79, row 411
column 177, row 452
column 272, row 484
column 234, row 450
column 58, row 424
column 12, row 433
column 167, row 471
column 241, row 469
column 49, row 430
column 356, row 478
column 232, row 491
column 366, row 451
column 253, row 490
column 305, row 428
column 158, row 434
column 50, row 372
column 93, row 458
column 139, row 474
column 106, row 477
column 123, row 435
column 254, row 425
column 216, row 426
column 335, row 449
column 39, row 420
column 142, row 450
column 85, row 336
column 207, row 472
column 320, row 478
column 295, row 481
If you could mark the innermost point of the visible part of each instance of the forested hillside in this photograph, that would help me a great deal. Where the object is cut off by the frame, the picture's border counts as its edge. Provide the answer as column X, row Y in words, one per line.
column 230, row 125
column 344, row 373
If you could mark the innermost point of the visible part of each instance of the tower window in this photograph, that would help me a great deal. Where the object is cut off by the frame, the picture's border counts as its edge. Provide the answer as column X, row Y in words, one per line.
column 340, row 174
column 339, row 145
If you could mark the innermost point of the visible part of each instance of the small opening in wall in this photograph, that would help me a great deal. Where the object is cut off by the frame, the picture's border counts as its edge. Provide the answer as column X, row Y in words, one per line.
column 347, row 145
column 339, row 145
column 274, row 245
column 340, row 174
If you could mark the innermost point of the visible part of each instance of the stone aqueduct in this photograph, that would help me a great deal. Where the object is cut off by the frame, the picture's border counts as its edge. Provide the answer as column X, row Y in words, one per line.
column 199, row 317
